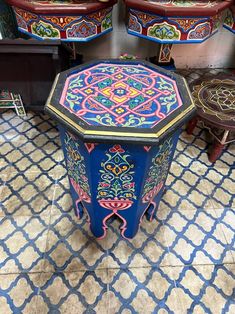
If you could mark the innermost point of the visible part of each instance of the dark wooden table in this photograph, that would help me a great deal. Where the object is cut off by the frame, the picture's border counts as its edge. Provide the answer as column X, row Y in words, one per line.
column 28, row 68
column 215, row 102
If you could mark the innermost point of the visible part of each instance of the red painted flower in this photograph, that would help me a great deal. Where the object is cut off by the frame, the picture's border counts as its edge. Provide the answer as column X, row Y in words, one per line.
column 84, row 178
column 117, row 149
column 129, row 185
column 104, row 185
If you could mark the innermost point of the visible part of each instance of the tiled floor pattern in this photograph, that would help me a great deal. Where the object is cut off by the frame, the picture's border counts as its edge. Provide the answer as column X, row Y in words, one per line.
column 182, row 262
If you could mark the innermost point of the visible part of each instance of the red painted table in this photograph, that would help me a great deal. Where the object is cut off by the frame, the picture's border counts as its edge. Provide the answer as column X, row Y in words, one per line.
column 174, row 21
column 68, row 20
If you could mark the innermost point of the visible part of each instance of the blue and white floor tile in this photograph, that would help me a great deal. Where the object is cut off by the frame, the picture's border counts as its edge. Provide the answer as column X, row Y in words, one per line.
column 182, row 262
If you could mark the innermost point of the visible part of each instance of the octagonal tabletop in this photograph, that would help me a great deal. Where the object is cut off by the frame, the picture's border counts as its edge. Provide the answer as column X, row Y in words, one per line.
column 79, row 7
column 215, row 101
column 116, row 100
column 180, row 8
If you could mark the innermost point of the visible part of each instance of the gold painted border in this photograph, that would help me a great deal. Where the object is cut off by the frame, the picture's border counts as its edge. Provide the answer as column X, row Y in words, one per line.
column 113, row 133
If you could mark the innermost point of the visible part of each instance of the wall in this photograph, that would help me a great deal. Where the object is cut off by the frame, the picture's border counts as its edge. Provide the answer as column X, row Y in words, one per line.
column 216, row 52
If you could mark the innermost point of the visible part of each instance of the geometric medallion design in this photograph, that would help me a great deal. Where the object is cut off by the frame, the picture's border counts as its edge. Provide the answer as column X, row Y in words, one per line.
column 121, row 95
column 218, row 96
column 181, row 262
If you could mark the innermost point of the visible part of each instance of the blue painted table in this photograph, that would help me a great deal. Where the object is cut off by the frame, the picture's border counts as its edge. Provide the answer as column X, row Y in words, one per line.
column 119, row 123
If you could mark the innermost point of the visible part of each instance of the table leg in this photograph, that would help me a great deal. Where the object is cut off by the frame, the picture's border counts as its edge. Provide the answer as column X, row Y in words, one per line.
column 164, row 58
column 164, row 55
column 129, row 221
column 191, row 125
column 218, row 147
column 216, row 151
column 78, row 207
column 152, row 210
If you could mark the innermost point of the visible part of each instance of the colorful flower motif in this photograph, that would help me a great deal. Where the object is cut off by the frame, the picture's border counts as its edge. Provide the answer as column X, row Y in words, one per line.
column 119, row 76
column 150, row 92
column 158, row 172
column 76, row 168
column 119, row 110
column 89, row 91
column 116, row 149
column 164, row 31
column 45, row 30
column 116, row 185
column 200, row 31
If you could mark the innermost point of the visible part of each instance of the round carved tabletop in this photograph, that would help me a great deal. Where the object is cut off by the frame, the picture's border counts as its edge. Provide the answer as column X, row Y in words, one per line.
column 215, row 101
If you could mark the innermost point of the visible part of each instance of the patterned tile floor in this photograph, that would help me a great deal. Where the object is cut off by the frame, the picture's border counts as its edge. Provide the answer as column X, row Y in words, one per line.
column 183, row 262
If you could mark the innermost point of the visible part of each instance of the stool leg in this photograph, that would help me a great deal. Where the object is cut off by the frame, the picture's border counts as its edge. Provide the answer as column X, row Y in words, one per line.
column 78, row 207
column 191, row 125
column 151, row 211
column 216, row 151
column 218, row 147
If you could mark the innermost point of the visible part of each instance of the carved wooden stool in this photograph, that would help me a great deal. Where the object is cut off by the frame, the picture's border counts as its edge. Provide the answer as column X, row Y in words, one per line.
column 215, row 102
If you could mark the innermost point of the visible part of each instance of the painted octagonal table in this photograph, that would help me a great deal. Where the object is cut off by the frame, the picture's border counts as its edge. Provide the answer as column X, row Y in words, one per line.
column 67, row 20
column 174, row 21
column 119, row 125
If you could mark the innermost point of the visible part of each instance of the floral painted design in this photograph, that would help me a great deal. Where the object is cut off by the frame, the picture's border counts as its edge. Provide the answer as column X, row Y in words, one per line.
column 164, row 31
column 58, row 26
column 158, row 172
column 170, row 29
column 116, row 189
column 76, row 168
column 45, row 30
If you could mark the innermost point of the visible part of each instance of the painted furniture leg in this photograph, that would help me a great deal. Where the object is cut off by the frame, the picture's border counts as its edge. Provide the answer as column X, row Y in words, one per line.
column 152, row 209
column 191, row 125
column 218, row 146
column 116, row 180
column 216, row 151
column 164, row 58
column 78, row 206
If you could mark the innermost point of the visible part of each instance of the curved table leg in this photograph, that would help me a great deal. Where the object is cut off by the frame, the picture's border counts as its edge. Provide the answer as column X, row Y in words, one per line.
column 216, row 151
column 151, row 211
column 218, row 147
column 79, row 210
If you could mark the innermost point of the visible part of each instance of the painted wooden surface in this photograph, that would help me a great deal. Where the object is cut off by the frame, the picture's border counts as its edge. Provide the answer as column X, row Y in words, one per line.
column 119, row 125
column 67, row 20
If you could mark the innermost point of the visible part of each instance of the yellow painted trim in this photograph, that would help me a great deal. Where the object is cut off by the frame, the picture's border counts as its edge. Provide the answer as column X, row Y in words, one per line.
column 115, row 133
column 52, row 90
